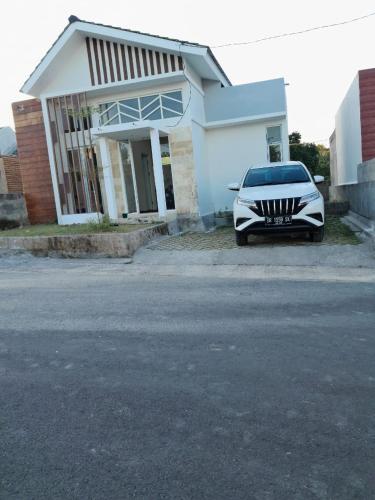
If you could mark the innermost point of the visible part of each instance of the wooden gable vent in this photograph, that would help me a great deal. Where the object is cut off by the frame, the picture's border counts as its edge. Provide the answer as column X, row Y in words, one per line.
column 116, row 62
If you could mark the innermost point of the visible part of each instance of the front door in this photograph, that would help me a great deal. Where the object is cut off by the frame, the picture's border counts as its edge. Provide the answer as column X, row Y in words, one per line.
column 138, row 176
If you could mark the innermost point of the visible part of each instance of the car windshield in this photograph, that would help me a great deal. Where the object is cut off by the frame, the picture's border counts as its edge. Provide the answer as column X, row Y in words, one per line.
column 284, row 174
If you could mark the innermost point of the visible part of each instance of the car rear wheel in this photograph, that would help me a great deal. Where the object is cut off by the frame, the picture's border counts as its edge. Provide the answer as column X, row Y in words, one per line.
column 317, row 235
column 241, row 239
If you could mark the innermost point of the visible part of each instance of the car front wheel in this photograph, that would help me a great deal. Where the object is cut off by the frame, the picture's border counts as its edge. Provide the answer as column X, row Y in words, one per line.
column 317, row 235
column 241, row 239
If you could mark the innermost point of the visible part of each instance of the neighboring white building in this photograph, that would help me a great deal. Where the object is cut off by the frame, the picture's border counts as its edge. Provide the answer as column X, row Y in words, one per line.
column 144, row 126
column 8, row 143
column 353, row 140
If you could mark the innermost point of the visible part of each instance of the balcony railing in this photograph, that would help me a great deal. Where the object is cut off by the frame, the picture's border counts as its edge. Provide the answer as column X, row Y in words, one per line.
column 151, row 107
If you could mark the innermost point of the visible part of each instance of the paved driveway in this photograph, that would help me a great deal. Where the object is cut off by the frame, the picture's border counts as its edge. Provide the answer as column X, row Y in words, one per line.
column 336, row 233
column 117, row 383
column 341, row 248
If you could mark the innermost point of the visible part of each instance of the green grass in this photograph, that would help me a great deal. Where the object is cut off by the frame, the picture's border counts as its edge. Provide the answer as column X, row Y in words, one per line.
column 56, row 230
column 338, row 232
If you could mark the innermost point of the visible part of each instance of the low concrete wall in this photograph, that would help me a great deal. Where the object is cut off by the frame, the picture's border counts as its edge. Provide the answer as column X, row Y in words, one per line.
column 13, row 211
column 361, row 195
column 366, row 171
column 93, row 245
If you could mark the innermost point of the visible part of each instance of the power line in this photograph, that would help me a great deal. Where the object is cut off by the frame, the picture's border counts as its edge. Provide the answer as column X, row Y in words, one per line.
column 293, row 33
column 190, row 90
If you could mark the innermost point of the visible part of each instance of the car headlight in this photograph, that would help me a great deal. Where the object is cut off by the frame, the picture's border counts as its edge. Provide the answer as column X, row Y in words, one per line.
column 309, row 198
column 246, row 203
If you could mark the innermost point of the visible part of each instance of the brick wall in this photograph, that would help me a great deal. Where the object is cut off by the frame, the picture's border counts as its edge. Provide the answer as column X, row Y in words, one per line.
column 34, row 162
column 10, row 169
column 367, row 103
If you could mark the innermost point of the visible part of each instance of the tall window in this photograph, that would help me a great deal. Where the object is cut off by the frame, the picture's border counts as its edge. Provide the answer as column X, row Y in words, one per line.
column 274, row 145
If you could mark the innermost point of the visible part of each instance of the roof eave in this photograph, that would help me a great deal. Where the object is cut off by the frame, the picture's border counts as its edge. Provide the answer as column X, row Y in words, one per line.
column 86, row 27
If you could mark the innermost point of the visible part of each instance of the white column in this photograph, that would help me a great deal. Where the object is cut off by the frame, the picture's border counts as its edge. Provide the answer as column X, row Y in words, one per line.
column 108, row 178
column 51, row 157
column 158, row 171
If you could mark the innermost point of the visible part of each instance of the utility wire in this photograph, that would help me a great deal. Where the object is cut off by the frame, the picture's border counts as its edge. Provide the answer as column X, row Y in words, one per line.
column 190, row 90
column 293, row 33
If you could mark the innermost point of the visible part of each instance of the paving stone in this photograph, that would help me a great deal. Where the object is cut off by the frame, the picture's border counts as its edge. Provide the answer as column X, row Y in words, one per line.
column 223, row 238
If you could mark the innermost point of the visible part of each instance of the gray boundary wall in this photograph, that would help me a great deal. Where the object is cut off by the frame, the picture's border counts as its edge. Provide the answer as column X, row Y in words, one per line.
column 361, row 196
column 80, row 245
column 13, row 211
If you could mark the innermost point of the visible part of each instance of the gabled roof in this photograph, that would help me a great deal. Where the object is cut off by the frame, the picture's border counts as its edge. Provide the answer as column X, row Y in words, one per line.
column 183, row 45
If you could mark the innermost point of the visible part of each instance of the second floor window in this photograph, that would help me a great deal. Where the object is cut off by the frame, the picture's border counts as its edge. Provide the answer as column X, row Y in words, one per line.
column 274, row 144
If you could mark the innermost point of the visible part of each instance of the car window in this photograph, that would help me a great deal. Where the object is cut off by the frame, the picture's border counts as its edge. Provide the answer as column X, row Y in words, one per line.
column 283, row 174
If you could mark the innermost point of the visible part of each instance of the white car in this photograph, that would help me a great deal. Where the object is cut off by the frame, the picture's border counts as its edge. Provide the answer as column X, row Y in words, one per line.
column 278, row 197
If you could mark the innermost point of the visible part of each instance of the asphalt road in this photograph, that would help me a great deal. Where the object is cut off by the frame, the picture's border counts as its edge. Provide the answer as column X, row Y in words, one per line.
column 119, row 384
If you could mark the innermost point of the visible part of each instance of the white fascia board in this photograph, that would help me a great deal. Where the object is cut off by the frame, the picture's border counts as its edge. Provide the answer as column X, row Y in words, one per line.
column 121, row 127
column 243, row 120
column 219, row 75
column 125, row 85
column 138, row 38
column 108, row 130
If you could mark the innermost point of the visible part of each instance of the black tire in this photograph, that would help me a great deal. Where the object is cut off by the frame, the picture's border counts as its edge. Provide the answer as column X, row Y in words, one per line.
column 241, row 239
column 317, row 235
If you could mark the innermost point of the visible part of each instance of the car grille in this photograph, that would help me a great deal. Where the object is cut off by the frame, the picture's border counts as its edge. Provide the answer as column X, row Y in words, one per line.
column 285, row 206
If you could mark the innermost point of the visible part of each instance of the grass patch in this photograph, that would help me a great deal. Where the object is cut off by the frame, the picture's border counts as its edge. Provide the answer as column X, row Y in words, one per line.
column 338, row 232
column 56, row 230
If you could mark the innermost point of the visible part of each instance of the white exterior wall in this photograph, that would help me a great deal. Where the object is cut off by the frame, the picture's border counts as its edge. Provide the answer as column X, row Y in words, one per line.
column 69, row 72
column 348, row 136
column 230, row 151
column 202, row 173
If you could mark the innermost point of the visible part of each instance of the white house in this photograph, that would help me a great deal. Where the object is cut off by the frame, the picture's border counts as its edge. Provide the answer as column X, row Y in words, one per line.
column 142, row 126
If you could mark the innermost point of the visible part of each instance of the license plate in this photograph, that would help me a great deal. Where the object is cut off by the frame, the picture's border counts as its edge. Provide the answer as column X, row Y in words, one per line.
column 278, row 220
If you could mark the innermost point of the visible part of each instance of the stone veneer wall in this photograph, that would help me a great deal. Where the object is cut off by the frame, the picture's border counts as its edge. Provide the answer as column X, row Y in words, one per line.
column 183, row 172
column 117, row 181
column 13, row 211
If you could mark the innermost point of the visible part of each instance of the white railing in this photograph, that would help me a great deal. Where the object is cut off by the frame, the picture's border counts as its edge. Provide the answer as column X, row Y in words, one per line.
column 151, row 107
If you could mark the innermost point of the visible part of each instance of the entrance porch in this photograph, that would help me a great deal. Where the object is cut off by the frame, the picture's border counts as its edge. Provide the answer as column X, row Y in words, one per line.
column 137, row 172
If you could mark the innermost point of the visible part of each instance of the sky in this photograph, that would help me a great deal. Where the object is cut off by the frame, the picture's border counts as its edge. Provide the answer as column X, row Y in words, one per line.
column 318, row 66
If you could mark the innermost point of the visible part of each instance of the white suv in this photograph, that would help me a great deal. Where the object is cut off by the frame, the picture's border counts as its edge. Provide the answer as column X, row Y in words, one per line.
column 278, row 197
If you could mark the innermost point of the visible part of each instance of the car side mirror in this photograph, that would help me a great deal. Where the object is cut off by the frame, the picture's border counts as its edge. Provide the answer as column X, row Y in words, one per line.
column 234, row 186
column 318, row 179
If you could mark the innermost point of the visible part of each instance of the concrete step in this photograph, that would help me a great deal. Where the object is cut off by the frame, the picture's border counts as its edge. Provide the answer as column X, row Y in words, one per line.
column 359, row 223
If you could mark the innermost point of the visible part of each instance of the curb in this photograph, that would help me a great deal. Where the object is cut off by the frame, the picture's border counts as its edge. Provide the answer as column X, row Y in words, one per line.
column 359, row 223
column 263, row 272
column 84, row 245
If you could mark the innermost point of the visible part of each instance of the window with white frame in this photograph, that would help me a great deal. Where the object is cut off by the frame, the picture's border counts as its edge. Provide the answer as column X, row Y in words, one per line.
column 151, row 107
column 274, row 144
